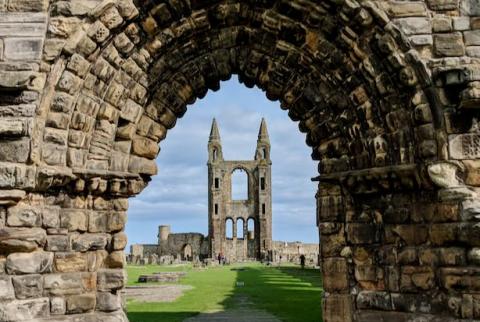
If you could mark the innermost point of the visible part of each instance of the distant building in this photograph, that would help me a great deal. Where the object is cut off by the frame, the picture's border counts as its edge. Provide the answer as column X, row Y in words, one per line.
column 224, row 211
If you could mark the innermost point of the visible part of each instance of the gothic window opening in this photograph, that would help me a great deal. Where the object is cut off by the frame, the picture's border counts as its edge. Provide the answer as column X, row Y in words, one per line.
column 251, row 228
column 263, row 209
column 262, row 183
column 229, row 228
column 240, row 230
column 217, row 183
column 239, row 185
column 216, row 209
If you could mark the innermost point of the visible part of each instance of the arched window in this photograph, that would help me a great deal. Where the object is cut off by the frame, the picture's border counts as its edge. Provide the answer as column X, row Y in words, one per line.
column 251, row 228
column 264, row 153
column 214, row 154
column 239, row 185
column 240, row 231
column 229, row 228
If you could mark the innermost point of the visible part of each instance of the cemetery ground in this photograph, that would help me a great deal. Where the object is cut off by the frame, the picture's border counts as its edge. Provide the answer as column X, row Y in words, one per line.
column 286, row 293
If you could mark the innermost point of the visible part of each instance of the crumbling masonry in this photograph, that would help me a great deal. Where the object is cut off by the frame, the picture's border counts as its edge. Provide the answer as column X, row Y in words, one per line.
column 387, row 92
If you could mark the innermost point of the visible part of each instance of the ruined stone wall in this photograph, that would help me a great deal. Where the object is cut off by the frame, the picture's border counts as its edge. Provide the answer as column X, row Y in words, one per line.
column 176, row 243
column 387, row 93
column 291, row 252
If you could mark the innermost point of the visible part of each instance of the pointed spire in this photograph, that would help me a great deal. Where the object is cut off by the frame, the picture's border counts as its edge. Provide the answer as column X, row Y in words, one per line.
column 263, row 132
column 214, row 132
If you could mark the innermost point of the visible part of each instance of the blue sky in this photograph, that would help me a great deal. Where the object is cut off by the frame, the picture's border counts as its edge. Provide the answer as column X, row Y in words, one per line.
column 178, row 194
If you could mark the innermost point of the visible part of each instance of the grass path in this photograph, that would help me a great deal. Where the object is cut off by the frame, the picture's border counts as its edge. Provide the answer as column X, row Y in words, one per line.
column 289, row 293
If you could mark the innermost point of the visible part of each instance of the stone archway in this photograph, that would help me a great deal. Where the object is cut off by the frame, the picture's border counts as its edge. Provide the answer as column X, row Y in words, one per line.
column 386, row 91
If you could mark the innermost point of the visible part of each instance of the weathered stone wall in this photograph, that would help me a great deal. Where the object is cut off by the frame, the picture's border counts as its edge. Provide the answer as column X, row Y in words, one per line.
column 291, row 251
column 387, row 93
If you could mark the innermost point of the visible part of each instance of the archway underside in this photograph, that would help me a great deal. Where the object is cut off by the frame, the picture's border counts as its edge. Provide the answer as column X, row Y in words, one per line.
column 396, row 209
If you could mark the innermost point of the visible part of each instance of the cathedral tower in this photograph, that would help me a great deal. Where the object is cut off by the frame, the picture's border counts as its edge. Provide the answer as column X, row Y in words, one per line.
column 251, row 218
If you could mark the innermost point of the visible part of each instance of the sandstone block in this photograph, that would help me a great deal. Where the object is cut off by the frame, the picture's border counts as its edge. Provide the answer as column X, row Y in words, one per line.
column 407, row 9
column 81, row 303
column 119, row 241
column 374, row 300
column 58, row 243
column 335, row 273
column 57, row 306
column 145, row 148
column 27, row 5
column 51, row 217
column 22, row 310
column 24, row 216
column 85, row 242
column 15, row 150
column 74, row 220
column 472, row 38
column 28, row 286
column 108, row 302
column 21, row 239
column 29, row 263
column 111, row 279
column 97, row 222
column 69, row 283
column 414, row 25
column 71, row 262
column 23, row 48
column 116, row 221
column 116, row 260
column 458, row 279
column 443, row 5
column 416, row 277
column 6, row 288
column 449, row 44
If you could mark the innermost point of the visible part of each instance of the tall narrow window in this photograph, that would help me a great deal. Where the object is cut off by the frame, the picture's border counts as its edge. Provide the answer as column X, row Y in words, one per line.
column 216, row 209
column 240, row 231
column 214, row 154
column 262, row 183
column 251, row 228
column 217, row 183
column 263, row 209
column 229, row 228
column 264, row 153
column 239, row 185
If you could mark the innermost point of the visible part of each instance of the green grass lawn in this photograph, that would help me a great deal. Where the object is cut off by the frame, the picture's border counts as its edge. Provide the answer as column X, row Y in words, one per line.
column 291, row 294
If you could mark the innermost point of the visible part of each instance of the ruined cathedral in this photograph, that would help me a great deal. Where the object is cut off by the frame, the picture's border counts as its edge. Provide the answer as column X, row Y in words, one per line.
column 239, row 230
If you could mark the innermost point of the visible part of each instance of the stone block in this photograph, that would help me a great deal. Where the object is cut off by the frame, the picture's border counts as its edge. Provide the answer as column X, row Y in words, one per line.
column 460, row 279
column 119, row 241
column 464, row 146
column 54, row 154
column 469, row 8
column 51, row 217
column 338, row 308
column 111, row 279
column 442, row 24
column 144, row 147
column 22, row 216
column 25, row 310
column 74, row 219
column 414, row 278
column 7, row 291
column 27, row 5
column 28, row 286
column 443, row 234
column 116, row 221
column 443, row 5
column 374, row 300
column 29, row 263
column 108, row 302
column 14, row 127
column 461, row 23
column 85, row 242
column 15, row 150
column 116, row 259
column 414, row 25
column 57, row 306
column 411, row 234
column 23, row 48
column 97, row 222
column 81, row 303
column 472, row 37
column 421, row 40
column 449, row 45
column 21, row 239
column 400, row 9
column 473, row 51
column 362, row 233
column 58, row 243
column 71, row 262
column 69, row 283
column 335, row 274
column 131, row 111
